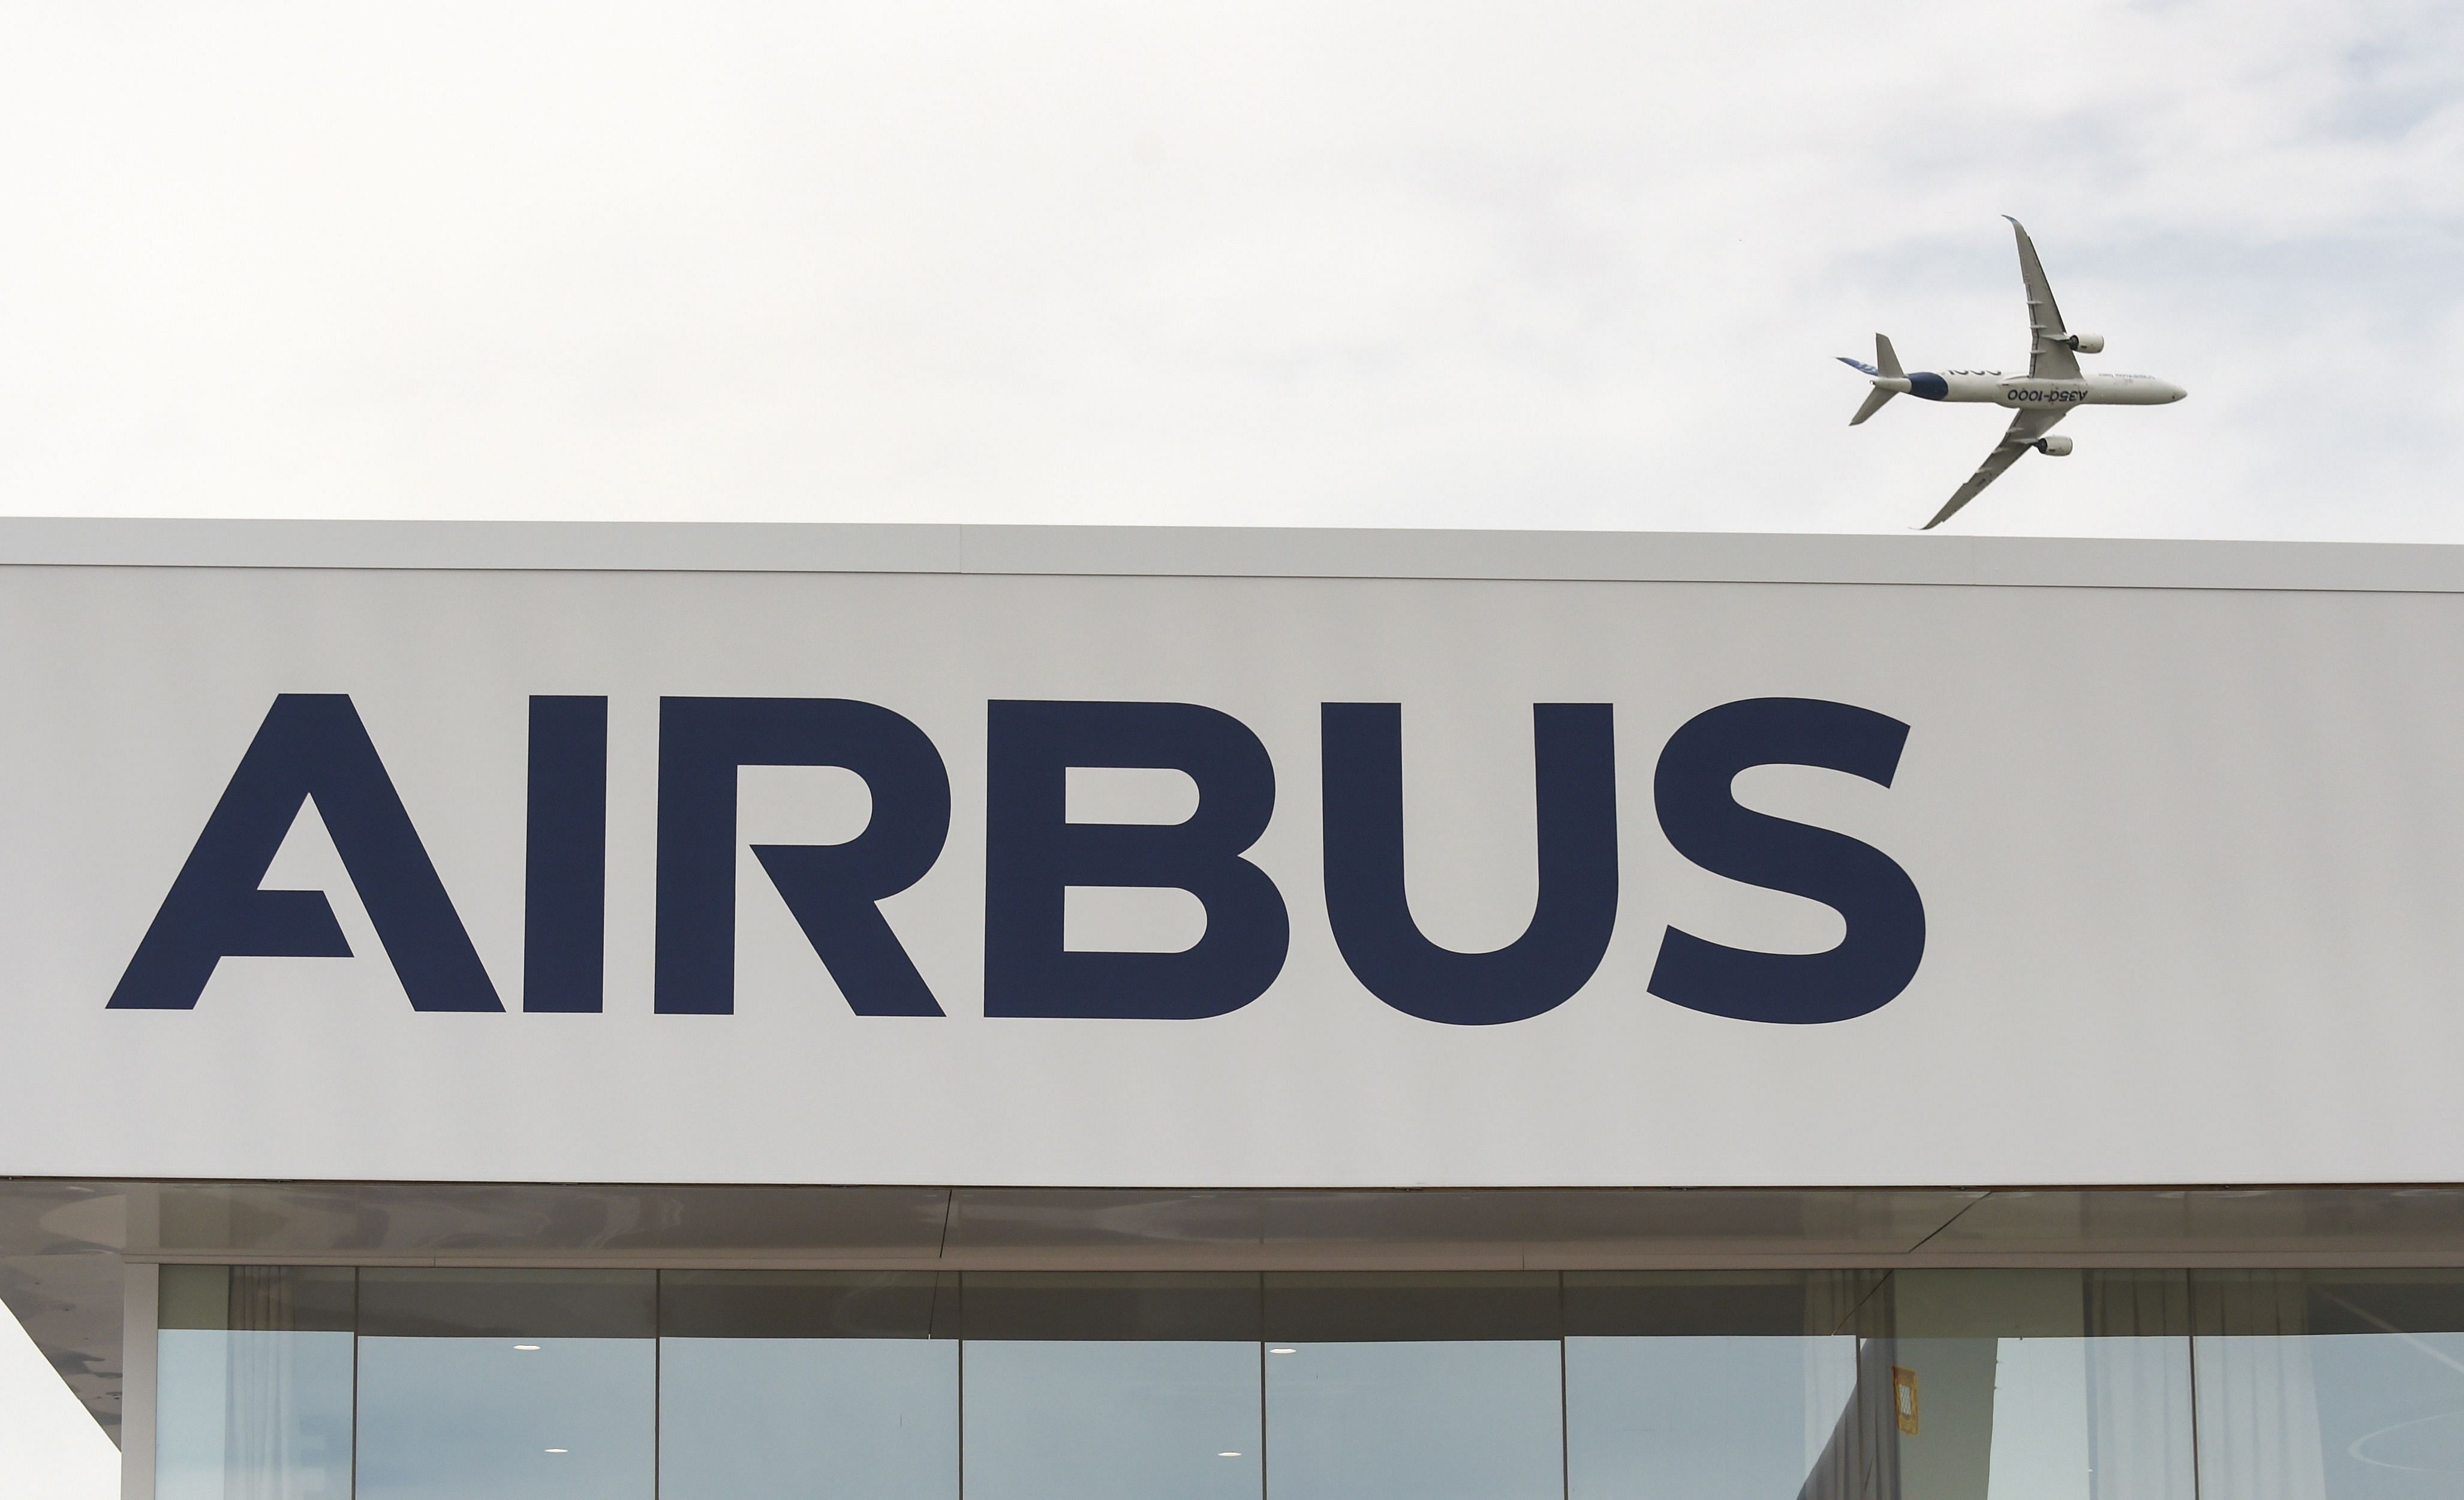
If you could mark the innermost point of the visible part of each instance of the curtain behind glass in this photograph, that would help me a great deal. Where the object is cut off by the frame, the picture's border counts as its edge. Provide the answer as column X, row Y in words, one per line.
column 255, row 1383
column 2141, row 1425
column 2347, row 1383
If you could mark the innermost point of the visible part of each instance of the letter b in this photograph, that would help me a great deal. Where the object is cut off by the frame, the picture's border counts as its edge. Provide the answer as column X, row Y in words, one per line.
column 1033, row 853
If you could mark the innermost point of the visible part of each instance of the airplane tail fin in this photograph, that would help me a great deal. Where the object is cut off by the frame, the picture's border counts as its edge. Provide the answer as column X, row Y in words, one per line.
column 1885, row 367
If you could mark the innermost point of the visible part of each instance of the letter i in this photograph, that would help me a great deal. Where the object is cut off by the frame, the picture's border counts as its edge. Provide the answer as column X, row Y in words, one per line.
column 564, row 887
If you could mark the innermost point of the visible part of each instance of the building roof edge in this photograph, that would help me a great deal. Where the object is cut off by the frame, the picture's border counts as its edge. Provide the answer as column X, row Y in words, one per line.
column 1233, row 551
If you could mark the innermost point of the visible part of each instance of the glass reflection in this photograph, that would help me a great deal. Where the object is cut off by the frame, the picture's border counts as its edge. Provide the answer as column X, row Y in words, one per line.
column 1433, row 1387
column 1708, row 1386
column 2039, row 1384
column 1821, row 1385
column 507, row 1385
column 2331, row 1382
column 254, row 1384
column 1112, row 1387
column 807, row 1383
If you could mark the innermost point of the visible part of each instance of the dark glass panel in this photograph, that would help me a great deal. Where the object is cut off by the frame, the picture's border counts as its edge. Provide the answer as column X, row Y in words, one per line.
column 1725, row 1304
column 265, row 1298
column 2320, row 1302
column 807, row 1304
column 1186, row 1305
column 456, row 1303
column 1381, row 1307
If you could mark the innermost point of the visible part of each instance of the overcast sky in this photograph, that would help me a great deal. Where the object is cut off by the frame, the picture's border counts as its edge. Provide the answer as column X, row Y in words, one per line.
column 1541, row 264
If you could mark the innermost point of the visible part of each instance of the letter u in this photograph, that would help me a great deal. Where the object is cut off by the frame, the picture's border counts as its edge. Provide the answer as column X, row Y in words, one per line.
column 1574, row 755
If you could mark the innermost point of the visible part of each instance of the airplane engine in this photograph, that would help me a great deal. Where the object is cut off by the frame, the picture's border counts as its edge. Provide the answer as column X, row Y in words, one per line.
column 2054, row 447
column 2086, row 343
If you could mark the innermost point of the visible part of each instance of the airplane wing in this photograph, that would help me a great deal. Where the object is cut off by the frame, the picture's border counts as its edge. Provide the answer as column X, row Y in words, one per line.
column 2048, row 358
column 2026, row 427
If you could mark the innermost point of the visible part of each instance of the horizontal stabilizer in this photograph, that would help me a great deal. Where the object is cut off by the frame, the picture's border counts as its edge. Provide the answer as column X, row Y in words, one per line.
column 1873, row 403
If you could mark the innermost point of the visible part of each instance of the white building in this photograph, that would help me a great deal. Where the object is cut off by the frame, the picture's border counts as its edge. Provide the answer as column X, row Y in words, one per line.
column 617, row 1010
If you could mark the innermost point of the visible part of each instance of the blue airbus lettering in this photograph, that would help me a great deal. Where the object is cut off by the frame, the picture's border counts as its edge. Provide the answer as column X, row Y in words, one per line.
column 312, row 747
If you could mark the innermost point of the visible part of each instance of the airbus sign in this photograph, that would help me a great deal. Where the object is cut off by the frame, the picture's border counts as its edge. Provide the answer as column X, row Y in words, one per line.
column 1161, row 859
column 314, row 749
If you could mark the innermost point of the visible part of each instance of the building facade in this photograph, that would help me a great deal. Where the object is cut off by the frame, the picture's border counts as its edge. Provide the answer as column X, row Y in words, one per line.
column 559, row 1011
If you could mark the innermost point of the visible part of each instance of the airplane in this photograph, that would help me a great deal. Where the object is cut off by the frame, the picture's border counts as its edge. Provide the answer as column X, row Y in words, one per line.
column 2042, row 396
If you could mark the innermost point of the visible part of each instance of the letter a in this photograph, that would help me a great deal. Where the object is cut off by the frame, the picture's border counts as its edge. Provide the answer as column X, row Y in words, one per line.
column 312, row 746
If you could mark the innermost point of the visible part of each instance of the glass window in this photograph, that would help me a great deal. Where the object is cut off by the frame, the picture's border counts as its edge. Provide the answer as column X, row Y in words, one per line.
column 1712, row 1385
column 2007, row 1385
column 2331, row 1382
column 2037, row 1385
column 807, row 1383
column 1112, row 1386
column 507, row 1385
column 1431, row 1386
column 254, row 1384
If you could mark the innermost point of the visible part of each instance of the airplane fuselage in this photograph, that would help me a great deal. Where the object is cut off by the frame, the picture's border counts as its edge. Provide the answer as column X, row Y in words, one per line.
column 1993, row 388
column 2040, row 399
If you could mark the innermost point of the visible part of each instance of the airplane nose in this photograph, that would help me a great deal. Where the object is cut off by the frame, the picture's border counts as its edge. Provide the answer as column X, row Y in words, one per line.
column 2176, row 393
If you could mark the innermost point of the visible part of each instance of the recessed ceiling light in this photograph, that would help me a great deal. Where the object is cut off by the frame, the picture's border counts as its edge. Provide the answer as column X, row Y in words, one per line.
column 556, row 1450
column 533, row 1347
column 1283, row 1351
column 1227, row 1455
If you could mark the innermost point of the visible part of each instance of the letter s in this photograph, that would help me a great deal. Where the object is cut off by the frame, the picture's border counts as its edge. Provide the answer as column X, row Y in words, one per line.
column 1886, row 929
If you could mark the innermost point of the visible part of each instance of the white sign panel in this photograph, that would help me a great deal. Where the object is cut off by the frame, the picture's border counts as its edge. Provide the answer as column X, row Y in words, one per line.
column 1221, row 882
